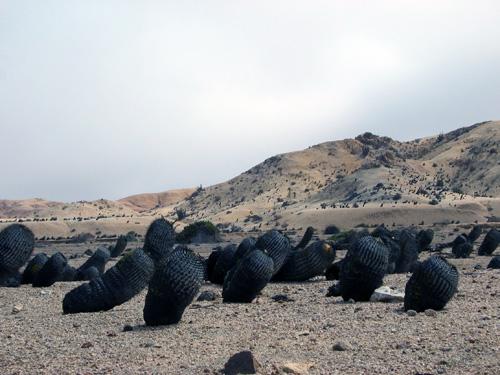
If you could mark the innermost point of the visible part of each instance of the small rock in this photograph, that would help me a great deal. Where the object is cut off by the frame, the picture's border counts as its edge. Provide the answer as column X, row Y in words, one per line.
column 207, row 295
column 242, row 363
column 282, row 298
column 411, row 313
column 87, row 345
column 334, row 291
column 477, row 267
column 386, row 294
column 111, row 334
column 17, row 309
column 350, row 300
column 430, row 312
column 76, row 325
column 150, row 344
column 127, row 328
column 403, row 345
column 296, row 368
column 45, row 292
column 340, row 347
column 88, row 252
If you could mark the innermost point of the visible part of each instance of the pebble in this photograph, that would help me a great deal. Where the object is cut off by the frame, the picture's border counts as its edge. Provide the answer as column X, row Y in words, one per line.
column 411, row 313
column 207, row 295
column 17, row 309
column 87, row 345
column 127, row 328
column 350, row 300
column 150, row 344
column 430, row 312
column 281, row 298
column 340, row 347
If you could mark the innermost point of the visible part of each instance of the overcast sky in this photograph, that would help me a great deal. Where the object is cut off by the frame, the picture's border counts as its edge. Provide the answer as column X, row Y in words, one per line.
column 111, row 98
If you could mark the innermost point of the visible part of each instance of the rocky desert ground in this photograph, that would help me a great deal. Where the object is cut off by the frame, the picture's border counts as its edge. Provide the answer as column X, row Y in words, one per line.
column 308, row 334
column 446, row 182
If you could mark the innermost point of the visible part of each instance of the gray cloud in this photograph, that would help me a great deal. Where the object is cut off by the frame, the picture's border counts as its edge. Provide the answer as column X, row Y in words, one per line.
column 106, row 99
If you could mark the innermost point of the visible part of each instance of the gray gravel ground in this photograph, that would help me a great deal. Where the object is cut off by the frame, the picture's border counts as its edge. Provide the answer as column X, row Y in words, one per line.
column 379, row 338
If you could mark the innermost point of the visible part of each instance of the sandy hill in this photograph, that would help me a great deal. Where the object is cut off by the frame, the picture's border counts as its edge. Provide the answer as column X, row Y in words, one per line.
column 39, row 208
column 129, row 206
column 150, row 201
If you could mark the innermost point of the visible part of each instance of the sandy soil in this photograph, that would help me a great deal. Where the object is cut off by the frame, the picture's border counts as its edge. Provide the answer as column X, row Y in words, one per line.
column 379, row 337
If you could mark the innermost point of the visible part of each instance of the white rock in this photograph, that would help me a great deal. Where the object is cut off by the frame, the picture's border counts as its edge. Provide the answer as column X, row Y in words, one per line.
column 386, row 294
column 296, row 368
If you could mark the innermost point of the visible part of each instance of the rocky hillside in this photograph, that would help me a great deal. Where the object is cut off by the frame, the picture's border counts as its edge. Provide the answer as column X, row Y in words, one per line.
column 368, row 171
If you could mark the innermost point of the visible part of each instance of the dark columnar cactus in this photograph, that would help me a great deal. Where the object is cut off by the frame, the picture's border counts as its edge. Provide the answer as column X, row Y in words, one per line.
column 247, row 245
column 277, row 246
column 10, row 279
column 119, row 248
column 88, row 274
column 176, row 281
column 394, row 253
column 431, row 286
column 69, row 273
column 490, row 242
column 98, row 260
column 117, row 285
column 160, row 239
column 16, row 245
column 307, row 263
column 462, row 250
column 363, row 269
column 305, row 239
column 409, row 251
column 474, row 233
column 250, row 275
column 211, row 262
column 381, row 231
column 52, row 271
column 424, row 239
column 333, row 271
column 494, row 262
column 34, row 266
column 225, row 262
